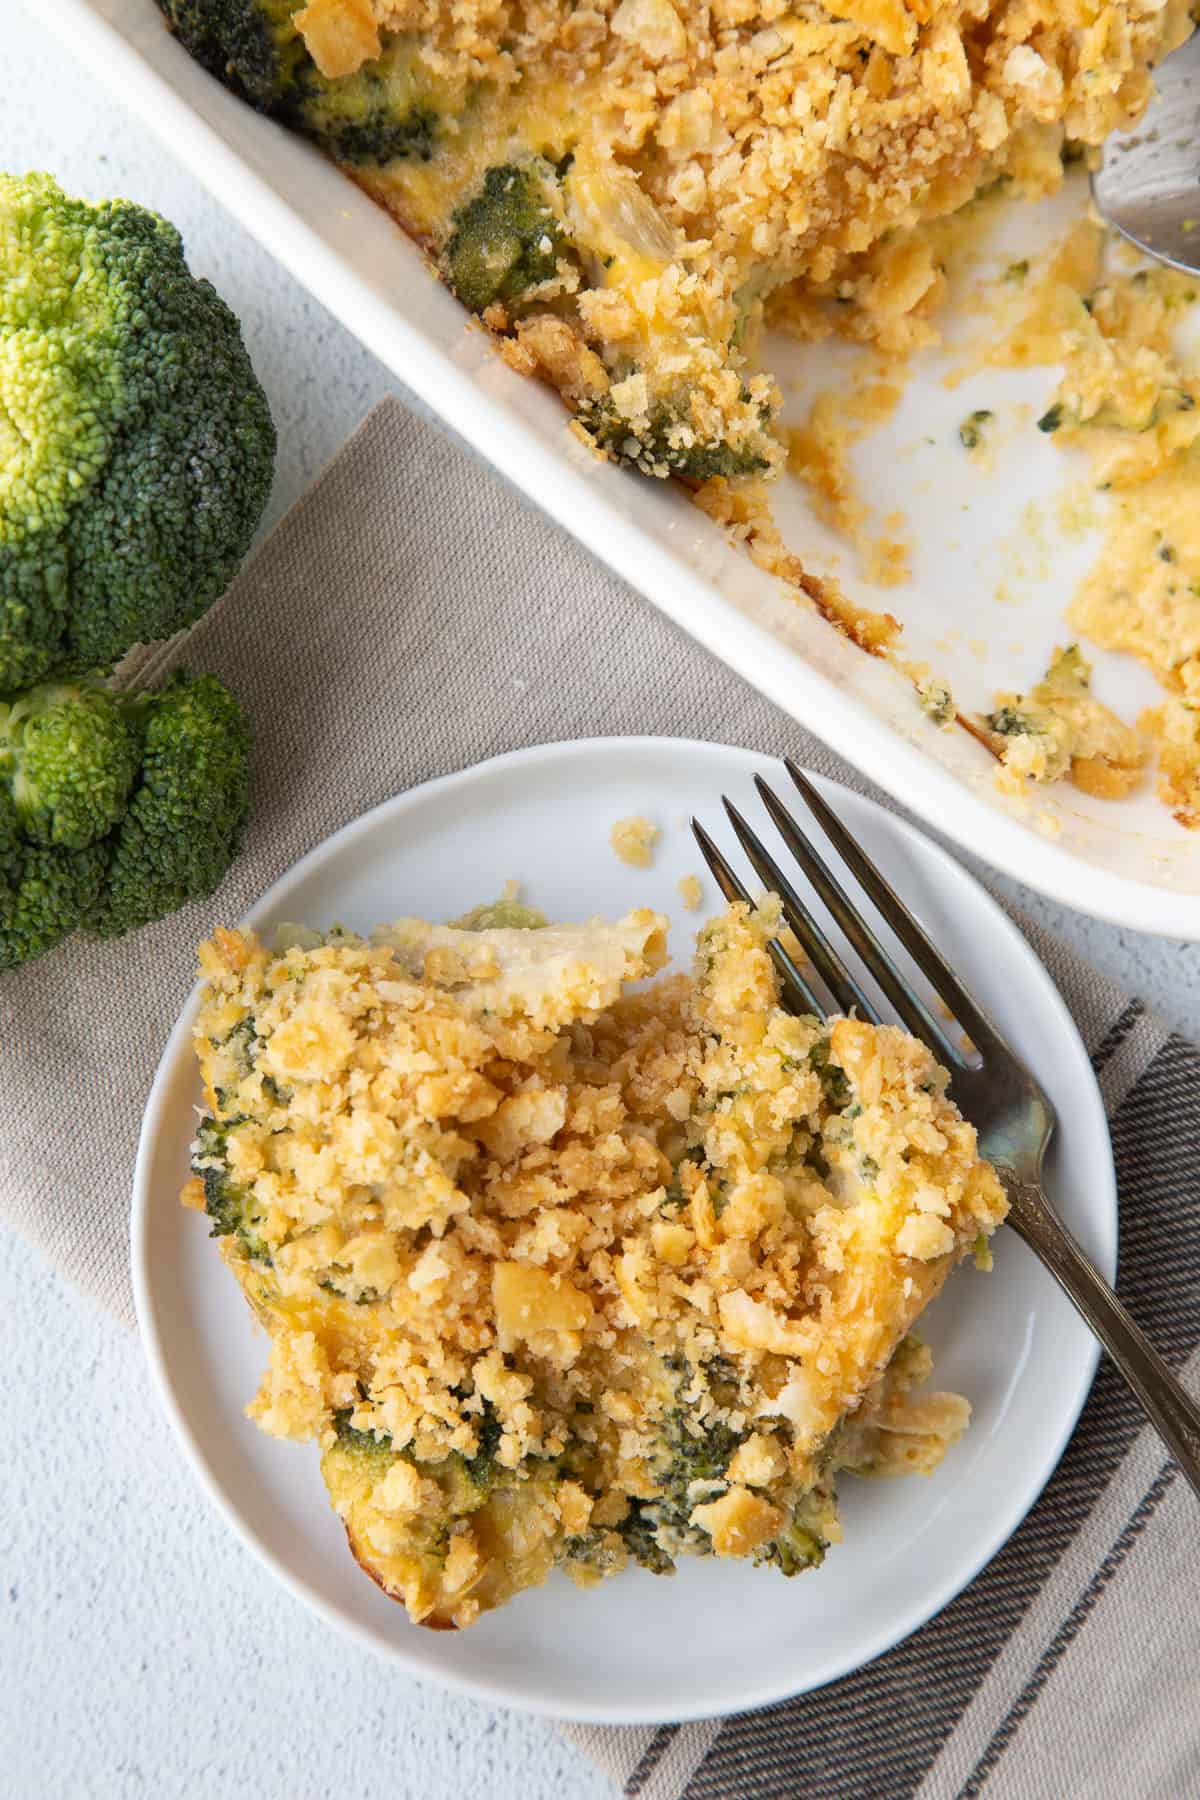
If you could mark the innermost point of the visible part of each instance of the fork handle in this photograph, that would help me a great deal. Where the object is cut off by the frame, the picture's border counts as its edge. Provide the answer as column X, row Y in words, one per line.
column 1166, row 1403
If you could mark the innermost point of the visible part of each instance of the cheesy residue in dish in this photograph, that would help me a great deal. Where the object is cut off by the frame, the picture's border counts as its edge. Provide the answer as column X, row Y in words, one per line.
column 1131, row 400
column 560, row 1274
column 1060, row 728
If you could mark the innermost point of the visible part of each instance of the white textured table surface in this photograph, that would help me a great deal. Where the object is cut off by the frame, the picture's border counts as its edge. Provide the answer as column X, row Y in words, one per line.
column 144, row 1652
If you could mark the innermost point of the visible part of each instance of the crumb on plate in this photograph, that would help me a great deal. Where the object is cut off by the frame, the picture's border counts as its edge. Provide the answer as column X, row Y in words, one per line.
column 634, row 839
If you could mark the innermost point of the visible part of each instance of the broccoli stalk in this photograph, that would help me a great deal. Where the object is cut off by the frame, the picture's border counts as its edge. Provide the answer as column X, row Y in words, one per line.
column 136, row 447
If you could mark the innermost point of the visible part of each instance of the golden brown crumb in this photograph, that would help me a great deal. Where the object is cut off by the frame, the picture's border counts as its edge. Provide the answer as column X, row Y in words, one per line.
column 341, row 35
column 690, row 892
column 1174, row 728
column 634, row 839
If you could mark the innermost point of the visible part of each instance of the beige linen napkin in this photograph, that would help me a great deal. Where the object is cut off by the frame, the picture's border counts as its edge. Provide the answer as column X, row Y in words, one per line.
column 410, row 616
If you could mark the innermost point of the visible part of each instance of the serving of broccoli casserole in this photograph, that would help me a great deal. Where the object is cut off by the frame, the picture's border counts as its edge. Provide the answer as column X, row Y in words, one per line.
column 562, row 1274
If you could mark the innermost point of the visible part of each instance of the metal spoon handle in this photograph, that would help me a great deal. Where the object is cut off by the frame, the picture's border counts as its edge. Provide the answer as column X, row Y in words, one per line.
column 1166, row 1403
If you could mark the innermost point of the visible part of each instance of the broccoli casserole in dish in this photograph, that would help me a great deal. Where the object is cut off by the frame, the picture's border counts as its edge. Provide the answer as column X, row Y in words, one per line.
column 562, row 1272
column 628, row 193
column 620, row 189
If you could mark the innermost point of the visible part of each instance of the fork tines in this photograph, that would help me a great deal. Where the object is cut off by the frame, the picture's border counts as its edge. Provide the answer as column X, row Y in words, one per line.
column 846, row 993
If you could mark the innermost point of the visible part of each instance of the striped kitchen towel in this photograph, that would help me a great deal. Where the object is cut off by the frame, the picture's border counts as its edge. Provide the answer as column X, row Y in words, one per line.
column 412, row 616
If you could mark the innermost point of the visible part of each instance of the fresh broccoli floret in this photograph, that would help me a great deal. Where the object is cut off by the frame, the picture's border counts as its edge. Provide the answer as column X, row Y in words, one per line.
column 181, row 830
column 664, row 444
column 509, row 238
column 136, row 447
column 45, row 894
column 384, row 111
column 12, row 848
column 228, row 1203
column 70, row 756
column 115, row 810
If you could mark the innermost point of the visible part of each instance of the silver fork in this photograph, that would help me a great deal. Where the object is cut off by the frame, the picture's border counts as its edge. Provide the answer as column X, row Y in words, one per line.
column 1013, row 1116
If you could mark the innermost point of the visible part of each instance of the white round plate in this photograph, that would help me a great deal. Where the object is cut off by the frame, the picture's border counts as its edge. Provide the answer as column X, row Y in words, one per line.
column 639, row 1648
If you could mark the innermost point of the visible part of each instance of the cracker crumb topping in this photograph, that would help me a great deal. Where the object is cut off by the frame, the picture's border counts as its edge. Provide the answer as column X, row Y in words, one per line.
column 581, row 1275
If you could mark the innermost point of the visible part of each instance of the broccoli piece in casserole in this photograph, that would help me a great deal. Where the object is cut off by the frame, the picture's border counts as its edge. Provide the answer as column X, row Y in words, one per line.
column 509, row 238
column 386, row 110
column 228, row 1202
column 669, row 444
column 795, row 1549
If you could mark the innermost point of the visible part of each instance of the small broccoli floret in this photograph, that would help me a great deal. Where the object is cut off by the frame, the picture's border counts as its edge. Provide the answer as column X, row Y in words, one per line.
column 637, row 1530
column 596, row 1553
column 795, row 1549
column 482, row 1467
column 383, row 113
column 668, row 443
column 115, row 810
column 1008, row 721
column 70, row 756
column 250, row 45
column 367, row 1447
column 183, row 824
column 691, row 1452
column 136, row 448
column 45, row 894
column 228, row 1203
column 509, row 238
column 386, row 110
column 831, row 1075
column 696, row 1453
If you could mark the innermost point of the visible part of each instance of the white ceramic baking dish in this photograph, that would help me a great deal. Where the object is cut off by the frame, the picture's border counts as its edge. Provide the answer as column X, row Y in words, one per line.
column 978, row 532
